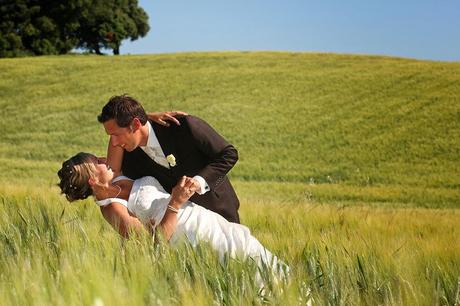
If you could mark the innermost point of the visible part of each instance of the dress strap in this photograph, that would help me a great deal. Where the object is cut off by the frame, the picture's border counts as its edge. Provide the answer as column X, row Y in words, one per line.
column 108, row 201
column 120, row 178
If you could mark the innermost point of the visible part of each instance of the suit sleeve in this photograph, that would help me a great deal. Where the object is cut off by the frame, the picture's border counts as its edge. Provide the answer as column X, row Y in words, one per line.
column 222, row 156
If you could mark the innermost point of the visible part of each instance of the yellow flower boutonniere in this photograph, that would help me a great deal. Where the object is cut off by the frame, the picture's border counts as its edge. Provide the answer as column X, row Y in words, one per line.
column 171, row 160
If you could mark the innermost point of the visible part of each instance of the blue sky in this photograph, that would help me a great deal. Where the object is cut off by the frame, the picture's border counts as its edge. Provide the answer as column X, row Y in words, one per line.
column 423, row 29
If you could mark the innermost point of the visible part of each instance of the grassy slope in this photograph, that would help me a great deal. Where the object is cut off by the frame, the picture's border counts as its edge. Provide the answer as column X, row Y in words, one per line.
column 309, row 128
column 330, row 127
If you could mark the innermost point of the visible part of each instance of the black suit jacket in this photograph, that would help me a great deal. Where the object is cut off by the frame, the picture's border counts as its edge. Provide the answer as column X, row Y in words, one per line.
column 199, row 150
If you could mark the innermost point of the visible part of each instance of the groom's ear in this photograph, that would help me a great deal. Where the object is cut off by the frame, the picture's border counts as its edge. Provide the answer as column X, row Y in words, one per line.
column 135, row 124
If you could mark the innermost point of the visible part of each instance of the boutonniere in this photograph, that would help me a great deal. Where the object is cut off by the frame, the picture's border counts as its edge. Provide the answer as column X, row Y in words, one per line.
column 171, row 160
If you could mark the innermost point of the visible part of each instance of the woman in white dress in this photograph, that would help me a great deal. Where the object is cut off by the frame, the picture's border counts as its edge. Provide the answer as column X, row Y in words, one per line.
column 143, row 204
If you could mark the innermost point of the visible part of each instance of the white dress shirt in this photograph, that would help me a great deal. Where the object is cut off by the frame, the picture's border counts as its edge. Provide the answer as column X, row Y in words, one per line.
column 154, row 150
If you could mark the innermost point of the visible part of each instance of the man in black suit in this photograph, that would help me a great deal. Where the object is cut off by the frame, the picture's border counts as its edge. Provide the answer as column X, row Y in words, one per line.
column 192, row 148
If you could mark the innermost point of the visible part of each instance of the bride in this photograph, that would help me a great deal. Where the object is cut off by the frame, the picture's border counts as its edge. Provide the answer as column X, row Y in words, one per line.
column 133, row 206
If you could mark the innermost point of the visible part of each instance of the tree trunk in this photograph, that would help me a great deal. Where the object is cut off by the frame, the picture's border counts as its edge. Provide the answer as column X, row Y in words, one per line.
column 116, row 50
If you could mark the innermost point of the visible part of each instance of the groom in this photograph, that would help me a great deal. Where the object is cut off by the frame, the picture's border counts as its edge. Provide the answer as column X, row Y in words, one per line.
column 192, row 149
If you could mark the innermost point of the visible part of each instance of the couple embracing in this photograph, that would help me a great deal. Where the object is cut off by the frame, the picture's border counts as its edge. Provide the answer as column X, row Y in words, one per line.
column 169, row 178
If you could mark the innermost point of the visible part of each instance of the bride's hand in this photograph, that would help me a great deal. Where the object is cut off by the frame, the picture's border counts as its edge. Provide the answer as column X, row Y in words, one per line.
column 182, row 191
column 163, row 117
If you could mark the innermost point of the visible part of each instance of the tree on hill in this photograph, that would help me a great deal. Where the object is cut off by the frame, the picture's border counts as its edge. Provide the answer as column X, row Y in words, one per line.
column 38, row 27
column 108, row 22
column 30, row 27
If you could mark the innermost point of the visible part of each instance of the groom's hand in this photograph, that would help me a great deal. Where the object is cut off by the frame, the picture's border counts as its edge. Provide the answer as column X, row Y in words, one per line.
column 163, row 117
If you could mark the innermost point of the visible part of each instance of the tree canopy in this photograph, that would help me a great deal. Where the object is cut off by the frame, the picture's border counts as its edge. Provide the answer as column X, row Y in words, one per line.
column 37, row 27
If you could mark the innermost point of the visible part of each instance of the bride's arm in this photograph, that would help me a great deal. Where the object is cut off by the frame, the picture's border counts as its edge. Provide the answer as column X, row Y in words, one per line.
column 179, row 195
column 120, row 219
column 162, row 118
column 124, row 223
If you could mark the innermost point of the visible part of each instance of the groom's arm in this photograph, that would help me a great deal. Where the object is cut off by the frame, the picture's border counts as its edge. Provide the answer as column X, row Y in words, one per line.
column 221, row 155
column 115, row 158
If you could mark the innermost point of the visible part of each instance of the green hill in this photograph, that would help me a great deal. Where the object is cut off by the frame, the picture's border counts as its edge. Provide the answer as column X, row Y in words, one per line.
column 365, row 136
column 308, row 127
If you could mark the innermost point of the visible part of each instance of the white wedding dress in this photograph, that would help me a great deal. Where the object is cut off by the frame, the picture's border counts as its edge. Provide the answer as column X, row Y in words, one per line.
column 148, row 201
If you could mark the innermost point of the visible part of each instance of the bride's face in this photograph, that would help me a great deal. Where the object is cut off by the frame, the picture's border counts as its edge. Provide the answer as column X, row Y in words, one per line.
column 103, row 172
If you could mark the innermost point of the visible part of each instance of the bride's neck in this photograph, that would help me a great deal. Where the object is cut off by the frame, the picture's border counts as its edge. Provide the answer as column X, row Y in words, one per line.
column 102, row 192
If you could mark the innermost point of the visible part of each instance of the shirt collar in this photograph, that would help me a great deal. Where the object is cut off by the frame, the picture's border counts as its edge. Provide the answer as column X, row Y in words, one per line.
column 152, row 141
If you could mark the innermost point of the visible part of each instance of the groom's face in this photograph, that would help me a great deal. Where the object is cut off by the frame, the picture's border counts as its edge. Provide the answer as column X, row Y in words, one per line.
column 123, row 137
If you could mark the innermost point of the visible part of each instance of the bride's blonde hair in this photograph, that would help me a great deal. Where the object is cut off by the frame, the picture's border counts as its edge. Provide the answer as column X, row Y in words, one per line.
column 74, row 176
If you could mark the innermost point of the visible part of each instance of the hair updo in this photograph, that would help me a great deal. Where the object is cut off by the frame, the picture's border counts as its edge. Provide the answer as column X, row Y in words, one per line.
column 74, row 176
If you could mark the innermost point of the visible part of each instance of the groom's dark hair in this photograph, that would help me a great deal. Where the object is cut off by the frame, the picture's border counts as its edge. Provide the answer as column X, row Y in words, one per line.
column 123, row 109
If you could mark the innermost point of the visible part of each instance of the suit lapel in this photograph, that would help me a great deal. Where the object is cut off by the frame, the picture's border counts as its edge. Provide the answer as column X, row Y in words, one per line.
column 146, row 158
column 140, row 164
column 166, row 139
